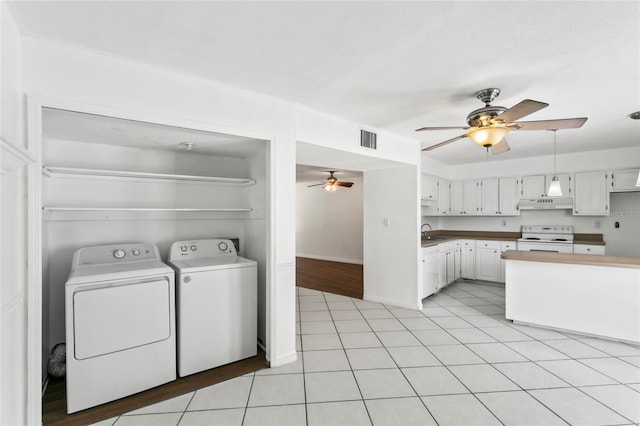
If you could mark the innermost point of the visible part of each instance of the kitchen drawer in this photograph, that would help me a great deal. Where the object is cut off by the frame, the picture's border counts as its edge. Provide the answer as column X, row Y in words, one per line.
column 588, row 249
column 507, row 245
column 468, row 243
column 488, row 244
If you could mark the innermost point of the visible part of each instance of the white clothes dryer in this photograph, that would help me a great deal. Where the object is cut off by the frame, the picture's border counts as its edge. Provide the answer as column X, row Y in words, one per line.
column 120, row 323
column 217, row 303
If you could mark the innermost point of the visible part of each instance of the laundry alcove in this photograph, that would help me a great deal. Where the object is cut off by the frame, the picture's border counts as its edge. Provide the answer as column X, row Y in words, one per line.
column 109, row 180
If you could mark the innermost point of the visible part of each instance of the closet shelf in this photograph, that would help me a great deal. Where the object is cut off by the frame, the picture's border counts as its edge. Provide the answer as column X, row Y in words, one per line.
column 138, row 209
column 54, row 172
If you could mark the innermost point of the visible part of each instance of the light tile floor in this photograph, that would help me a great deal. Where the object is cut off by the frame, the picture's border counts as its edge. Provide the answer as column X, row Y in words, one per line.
column 456, row 362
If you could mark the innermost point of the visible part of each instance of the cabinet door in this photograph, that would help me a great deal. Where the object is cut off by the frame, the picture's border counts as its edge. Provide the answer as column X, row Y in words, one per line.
column 442, row 269
column 456, row 262
column 625, row 180
column 429, row 187
column 450, row 266
column 591, row 194
column 471, row 197
column 444, row 197
column 468, row 263
column 430, row 271
column 487, row 264
column 509, row 195
column 489, row 197
column 533, row 186
column 457, row 197
column 565, row 184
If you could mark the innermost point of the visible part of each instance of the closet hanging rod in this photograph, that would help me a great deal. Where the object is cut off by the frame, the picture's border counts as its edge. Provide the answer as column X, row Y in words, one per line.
column 140, row 209
column 53, row 171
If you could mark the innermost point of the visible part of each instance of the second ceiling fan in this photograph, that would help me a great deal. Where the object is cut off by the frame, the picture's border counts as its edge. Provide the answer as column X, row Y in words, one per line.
column 489, row 125
column 332, row 183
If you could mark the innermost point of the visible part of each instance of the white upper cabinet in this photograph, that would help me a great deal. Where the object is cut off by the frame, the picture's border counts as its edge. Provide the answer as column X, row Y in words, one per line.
column 538, row 185
column 429, row 187
column 489, row 190
column 591, row 193
column 465, row 197
column 509, row 195
column 471, row 197
column 457, row 197
column 625, row 180
column 444, row 197
column 533, row 186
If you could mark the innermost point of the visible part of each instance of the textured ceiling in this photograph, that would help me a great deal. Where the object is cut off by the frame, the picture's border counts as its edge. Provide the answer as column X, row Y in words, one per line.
column 396, row 66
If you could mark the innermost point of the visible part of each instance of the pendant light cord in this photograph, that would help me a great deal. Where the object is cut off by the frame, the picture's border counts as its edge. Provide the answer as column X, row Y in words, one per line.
column 554, row 153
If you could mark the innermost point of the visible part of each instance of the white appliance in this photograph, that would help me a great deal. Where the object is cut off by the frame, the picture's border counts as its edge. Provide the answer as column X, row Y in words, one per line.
column 555, row 239
column 217, row 304
column 120, row 323
column 546, row 203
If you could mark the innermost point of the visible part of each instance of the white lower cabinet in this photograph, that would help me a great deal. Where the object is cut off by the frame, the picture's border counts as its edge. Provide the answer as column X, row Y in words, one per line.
column 588, row 249
column 468, row 259
column 446, row 256
column 430, row 270
column 456, row 259
column 487, row 260
column 504, row 246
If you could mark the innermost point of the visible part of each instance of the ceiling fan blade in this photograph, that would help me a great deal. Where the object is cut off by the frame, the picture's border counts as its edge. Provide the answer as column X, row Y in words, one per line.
column 442, row 128
column 317, row 184
column 563, row 123
column 438, row 145
column 345, row 184
column 500, row 147
column 520, row 110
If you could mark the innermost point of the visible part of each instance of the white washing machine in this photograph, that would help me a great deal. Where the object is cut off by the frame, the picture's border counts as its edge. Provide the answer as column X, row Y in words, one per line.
column 217, row 304
column 120, row 323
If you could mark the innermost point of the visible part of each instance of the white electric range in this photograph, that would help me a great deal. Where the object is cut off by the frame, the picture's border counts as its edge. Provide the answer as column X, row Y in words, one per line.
column 555, row 238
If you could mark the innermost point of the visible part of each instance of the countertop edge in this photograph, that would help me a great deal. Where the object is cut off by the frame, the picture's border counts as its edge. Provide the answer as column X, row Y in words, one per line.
column 573, row 258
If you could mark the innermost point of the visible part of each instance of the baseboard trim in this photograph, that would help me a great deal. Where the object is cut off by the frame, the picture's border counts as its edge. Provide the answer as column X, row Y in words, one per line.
column 415, row 307
column 330, row 259
column 282, row 360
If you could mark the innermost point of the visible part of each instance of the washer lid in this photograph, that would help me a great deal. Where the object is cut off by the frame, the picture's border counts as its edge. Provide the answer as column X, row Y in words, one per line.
column 211, row 263
column 112, row 272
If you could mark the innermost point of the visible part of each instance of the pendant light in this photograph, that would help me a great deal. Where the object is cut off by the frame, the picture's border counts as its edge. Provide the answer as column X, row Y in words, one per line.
column 554, row 188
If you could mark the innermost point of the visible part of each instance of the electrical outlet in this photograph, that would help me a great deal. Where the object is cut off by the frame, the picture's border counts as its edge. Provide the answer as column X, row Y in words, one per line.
column 504, row 223
column 596, row 224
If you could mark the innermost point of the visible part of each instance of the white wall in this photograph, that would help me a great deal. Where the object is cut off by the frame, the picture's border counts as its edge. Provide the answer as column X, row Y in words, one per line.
column 14, row 161
column 329, row 225
column 391, row 239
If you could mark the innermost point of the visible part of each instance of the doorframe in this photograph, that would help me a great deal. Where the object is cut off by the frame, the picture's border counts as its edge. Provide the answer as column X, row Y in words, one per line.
column 35, row 104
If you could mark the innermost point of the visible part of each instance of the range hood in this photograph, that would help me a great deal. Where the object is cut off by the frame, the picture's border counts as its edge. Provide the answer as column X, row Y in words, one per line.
column 546, row 203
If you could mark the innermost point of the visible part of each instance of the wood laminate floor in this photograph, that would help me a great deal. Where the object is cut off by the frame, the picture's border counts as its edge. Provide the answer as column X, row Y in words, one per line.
column 55, row 401
column 345, row 279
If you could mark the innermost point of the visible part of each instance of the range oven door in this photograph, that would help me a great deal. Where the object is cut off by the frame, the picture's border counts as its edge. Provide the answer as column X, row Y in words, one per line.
column 545, row 246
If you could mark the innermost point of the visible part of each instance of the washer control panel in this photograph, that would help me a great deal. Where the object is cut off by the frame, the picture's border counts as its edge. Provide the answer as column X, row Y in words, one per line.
column 202, row 248
column 115, row 253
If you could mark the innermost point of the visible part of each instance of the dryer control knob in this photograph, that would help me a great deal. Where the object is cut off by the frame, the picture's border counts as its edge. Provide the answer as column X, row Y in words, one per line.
column 222, row 246
column 135, row 252
column 119, row 254
column 183, row 248
column 194, row 247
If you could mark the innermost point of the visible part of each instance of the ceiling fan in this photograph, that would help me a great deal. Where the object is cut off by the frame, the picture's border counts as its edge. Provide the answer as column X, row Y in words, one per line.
column 489, row 125
column 332, row 183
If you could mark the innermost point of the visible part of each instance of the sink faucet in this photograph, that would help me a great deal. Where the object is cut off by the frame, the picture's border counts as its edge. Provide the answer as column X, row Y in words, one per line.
column 422, row 231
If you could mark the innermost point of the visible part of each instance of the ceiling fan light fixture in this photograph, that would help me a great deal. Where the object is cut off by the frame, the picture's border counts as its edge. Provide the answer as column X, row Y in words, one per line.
column 489, row 135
